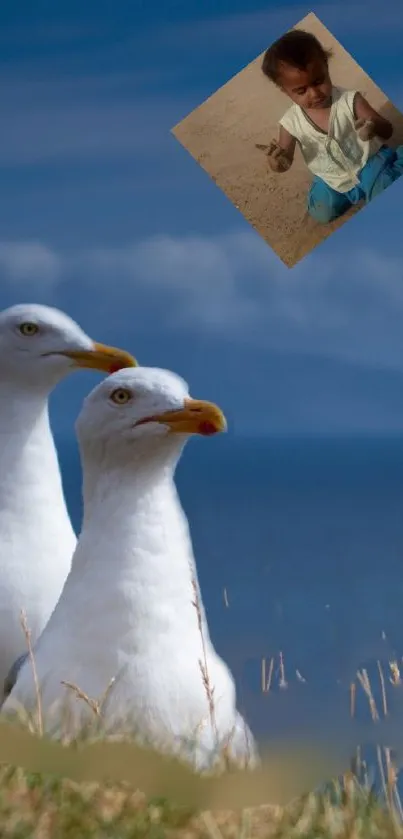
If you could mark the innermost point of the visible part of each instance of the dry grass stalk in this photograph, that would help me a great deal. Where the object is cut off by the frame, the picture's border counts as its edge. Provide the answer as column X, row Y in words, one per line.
column 391, row 779
column 246, row 824
column 387, row 769
column 266, row 678
column 27, row 633
column 282, row 683
column 263, row 674
column 382, row 772
column 395, row 679
column 271, row 668
column 353, row 689
column 80, row 694
column 211, row 825
column 383, row 689
column 96, row 705
column 203, row 664
column 363, row 679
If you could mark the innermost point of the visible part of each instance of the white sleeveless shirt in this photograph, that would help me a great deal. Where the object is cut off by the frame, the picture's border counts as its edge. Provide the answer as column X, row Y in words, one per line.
column 338, row 156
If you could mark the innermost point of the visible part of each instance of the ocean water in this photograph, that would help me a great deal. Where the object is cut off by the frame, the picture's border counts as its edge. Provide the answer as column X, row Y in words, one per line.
column 299, row 546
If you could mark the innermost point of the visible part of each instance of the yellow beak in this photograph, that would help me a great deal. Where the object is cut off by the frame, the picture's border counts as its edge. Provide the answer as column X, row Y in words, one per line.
column 196, row 417
column 101, row 357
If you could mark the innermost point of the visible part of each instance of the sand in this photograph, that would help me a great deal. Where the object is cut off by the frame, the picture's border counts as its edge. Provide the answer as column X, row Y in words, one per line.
column 221, row 135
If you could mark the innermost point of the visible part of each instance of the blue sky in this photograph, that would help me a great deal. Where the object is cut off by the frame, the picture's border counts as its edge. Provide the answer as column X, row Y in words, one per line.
column 104, row 214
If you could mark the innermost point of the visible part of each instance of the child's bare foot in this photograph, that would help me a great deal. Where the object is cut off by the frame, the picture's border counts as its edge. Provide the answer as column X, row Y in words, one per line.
column 276, row 156
column 365, row 129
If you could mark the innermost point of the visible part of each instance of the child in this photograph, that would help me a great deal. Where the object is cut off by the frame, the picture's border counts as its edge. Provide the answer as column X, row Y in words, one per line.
column 339, row 134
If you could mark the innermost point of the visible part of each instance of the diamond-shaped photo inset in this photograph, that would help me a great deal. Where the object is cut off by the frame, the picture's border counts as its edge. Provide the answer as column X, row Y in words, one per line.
column 299, row 140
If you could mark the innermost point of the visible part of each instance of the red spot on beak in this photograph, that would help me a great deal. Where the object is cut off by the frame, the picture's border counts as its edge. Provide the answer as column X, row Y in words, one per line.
column 207, row 428
column 115, row 367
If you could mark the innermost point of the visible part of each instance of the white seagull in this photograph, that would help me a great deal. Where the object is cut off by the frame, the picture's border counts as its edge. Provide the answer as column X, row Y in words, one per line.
column 39, row 346
column 127, row 611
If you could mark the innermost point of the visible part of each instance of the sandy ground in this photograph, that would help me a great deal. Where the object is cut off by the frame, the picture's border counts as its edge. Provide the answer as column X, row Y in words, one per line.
column 222, row 132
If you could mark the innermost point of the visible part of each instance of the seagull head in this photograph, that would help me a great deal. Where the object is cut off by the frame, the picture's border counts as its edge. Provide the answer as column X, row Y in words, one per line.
column 144, row 404
column 41, row 345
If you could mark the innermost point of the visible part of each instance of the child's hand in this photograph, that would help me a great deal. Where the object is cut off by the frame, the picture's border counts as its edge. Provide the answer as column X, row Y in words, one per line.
column 365, row 128
column 276, row 156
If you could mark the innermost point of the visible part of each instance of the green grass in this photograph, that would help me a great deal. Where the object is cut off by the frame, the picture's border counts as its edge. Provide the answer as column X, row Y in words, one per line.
column 46, row 804
column 35, row 805
column 42, row 806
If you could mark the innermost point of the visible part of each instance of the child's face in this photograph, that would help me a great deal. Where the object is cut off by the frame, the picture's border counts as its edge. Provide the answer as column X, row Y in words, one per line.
column 310, row 88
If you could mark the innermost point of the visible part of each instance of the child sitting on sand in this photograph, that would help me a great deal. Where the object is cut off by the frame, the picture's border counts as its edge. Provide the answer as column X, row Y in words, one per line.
column 339, row 134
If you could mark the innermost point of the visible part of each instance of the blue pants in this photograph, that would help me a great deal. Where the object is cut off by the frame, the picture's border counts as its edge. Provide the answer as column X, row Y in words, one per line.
column 380, row 171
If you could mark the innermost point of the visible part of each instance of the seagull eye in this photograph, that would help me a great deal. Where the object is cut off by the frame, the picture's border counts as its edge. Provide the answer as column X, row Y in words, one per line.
column 29, row 329
column 120, row 396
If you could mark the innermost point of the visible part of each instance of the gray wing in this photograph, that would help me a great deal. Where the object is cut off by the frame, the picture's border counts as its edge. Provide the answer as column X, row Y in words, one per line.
column 12, row 675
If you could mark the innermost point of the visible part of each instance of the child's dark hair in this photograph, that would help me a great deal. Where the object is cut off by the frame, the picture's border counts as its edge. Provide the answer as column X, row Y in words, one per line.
column 296, row 48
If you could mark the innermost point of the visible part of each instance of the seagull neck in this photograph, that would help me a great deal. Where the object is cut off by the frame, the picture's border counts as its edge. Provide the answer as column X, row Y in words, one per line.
column 132, row 514
column 24, row 409
column 129, row 478
column 28, row 459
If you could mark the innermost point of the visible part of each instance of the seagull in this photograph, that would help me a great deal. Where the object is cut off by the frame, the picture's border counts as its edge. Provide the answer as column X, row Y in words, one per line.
column 39, row 346
column 130, row 615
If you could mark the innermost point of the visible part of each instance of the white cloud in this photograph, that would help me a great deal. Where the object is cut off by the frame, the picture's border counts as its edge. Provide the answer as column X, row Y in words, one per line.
column 197, row 276
column 29, row 262
column 347, row 304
